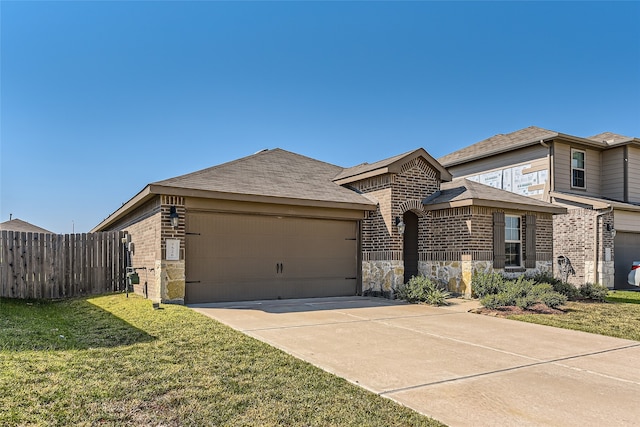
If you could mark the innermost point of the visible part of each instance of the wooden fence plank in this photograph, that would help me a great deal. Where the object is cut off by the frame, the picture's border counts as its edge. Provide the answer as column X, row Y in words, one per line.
column 4, row 267
column 34, row 265
column 41, row 266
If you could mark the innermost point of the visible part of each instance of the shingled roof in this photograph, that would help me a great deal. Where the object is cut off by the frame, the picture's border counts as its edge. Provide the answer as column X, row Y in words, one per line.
column 497, row 144
column 22, row 226
column 462, row 192
column 611, row 138
column 390, row 165
column 270, row 173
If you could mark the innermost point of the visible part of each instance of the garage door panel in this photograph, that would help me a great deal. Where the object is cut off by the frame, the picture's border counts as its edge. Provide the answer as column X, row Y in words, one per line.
column 233, row 257
column 626, row 250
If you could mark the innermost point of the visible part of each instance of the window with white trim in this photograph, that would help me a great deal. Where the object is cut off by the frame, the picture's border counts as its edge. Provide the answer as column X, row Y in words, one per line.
column 512, row 241
column 577, row 169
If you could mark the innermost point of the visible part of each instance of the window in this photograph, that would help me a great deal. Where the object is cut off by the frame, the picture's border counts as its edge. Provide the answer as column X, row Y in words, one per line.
column 512, row 241
column 577, row 168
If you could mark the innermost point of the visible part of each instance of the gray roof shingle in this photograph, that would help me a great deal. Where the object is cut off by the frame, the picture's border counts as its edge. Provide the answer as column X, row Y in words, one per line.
column 22, row 226
column 271, row 173
column 497, row 144
column 464, row 192
column 610, row 138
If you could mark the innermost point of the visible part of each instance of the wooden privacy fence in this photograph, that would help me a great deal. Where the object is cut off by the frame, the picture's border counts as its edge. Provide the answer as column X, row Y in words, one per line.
column 34, row 265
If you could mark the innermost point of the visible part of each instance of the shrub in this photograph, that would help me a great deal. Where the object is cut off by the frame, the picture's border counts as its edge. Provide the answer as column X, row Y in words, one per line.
column 594, row 291
column 487, row 284
column 523, row 292
column 553, row 299
column 422, row 289
column 564, row 288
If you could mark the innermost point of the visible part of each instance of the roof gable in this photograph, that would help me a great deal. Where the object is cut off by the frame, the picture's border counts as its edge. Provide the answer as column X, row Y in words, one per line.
column 462, row 192
column 390, row 165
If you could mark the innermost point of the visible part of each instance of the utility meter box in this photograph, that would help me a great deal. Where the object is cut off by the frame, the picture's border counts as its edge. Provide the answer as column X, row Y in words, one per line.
column 134, row 279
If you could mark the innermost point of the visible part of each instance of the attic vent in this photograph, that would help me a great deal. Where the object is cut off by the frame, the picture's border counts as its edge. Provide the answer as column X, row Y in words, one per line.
column 610, row 141
column 261, row 151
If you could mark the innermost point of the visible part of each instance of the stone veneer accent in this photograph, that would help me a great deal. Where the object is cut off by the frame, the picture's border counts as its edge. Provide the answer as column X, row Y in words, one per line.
column 171, row 277
column 381, row 278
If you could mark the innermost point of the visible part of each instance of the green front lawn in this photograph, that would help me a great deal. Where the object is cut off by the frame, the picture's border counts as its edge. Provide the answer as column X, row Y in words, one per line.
column 618, row 317
column 110, row 360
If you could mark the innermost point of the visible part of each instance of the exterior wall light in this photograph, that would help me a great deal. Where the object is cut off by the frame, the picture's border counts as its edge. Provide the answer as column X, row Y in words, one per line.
column 173, row 216
column 401, row 225
column 611, row 230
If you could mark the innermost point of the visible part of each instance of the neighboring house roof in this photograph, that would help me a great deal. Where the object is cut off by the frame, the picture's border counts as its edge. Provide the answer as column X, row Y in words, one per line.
column 462, row 192
column 390, row 165
column 22, row 226
column 502, row 143
column 611, row 138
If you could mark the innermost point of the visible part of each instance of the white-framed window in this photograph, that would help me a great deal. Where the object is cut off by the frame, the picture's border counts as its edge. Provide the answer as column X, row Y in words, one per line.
column 578, row 169
column 512, row 241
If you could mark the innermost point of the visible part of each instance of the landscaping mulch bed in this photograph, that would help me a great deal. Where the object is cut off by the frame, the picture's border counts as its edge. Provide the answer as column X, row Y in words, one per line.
column 512, row 309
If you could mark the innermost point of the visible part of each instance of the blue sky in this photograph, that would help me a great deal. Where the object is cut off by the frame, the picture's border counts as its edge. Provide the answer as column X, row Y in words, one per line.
column 99, row 99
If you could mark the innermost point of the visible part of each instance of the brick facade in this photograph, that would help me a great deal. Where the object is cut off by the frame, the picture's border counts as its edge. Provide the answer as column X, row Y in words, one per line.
column 461, row 243
column 149, row 227
column 382, row 245
column 577, row 234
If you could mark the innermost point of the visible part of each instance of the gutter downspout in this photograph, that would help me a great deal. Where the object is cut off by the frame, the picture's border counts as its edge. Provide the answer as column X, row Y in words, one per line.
column 595, row 247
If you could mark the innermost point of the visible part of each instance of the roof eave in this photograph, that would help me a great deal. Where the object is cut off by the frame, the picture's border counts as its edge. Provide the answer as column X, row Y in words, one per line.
column 529, row 143
column 145, row 194
column 208, row 194
column 554, row 210
column 395, row 167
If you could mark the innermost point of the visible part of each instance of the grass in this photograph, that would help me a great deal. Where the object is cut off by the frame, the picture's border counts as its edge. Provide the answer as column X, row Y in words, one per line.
column 110, row 360
column 619, row 317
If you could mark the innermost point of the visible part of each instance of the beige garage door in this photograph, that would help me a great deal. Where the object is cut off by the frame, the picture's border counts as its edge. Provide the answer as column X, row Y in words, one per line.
column 626, row 250
column 234, row 257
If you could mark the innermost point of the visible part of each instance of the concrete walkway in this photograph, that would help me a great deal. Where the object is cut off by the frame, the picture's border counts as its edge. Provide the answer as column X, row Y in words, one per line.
column 460, row 368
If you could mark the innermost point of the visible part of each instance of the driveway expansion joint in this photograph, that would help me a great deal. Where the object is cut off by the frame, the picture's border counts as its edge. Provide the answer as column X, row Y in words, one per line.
column 556, row 362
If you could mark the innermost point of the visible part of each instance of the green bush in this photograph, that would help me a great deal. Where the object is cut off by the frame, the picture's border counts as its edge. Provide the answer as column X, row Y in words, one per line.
column 594, row 291
column 553, row 299
column 564, row 288
column 487, row 284
column 422, row 289
column 523, row 292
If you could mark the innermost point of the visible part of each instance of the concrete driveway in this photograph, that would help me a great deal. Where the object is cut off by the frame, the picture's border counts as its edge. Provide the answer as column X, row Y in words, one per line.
column 460, row 368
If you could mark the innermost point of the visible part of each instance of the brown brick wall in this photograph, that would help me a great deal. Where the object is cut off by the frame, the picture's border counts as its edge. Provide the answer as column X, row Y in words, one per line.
column 416, row 181
column 149, row 227
column 575, row 237
column 469, row 230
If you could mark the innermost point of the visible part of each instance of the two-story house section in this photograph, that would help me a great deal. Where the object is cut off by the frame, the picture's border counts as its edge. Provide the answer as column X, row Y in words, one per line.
column 596, row 178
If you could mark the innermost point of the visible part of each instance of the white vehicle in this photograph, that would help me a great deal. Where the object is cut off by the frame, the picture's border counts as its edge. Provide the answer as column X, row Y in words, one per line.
column 634, row 274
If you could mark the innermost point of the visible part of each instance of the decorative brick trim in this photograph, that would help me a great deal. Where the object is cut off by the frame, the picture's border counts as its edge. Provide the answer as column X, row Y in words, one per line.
column 456, row 256
column 421, row 164
column 173, row 200
column 414, row 206
column 451, row 212
column 382, row 256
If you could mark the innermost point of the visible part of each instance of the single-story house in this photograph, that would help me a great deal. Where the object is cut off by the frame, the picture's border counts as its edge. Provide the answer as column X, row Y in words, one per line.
column 22, row 227
column 277, row 224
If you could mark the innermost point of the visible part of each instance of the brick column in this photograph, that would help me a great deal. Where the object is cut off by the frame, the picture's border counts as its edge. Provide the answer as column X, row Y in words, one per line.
column 170, row 273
